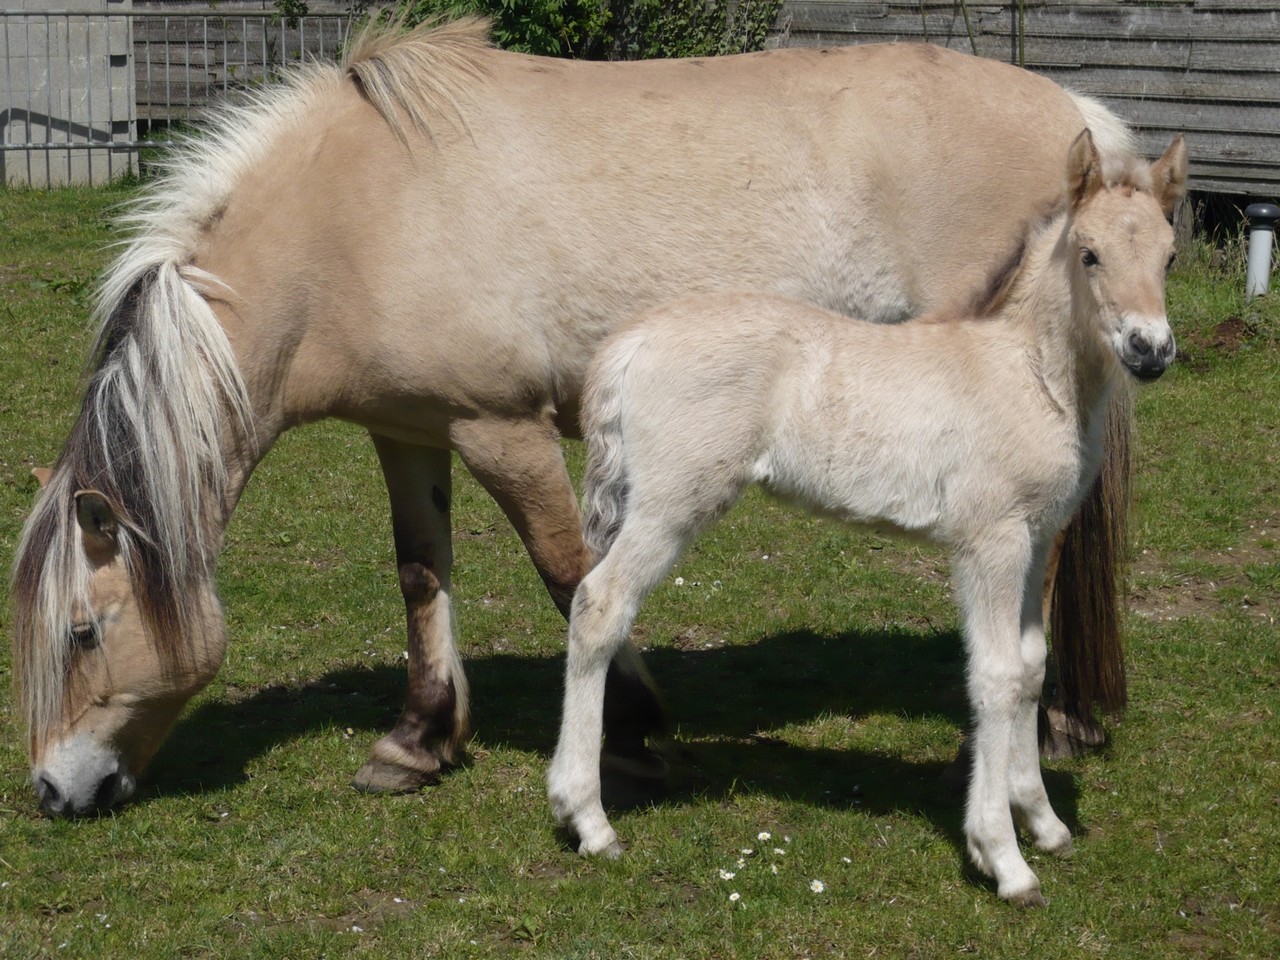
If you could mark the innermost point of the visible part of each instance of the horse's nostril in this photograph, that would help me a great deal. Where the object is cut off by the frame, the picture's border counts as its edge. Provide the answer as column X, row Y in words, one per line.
column 105, row 795
column 1139, row 344
column 52, row 802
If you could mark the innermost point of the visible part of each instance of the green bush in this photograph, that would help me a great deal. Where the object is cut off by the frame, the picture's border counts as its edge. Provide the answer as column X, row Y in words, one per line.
column 603, row 29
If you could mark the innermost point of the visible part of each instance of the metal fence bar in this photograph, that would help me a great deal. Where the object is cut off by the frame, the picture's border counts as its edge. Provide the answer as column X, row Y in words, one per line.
column 176, row 64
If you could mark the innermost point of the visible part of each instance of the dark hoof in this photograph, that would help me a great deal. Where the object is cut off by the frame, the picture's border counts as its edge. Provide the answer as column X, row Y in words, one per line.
column 955, row 776
column 647, row 765
column 377, row 776
column 634, row 780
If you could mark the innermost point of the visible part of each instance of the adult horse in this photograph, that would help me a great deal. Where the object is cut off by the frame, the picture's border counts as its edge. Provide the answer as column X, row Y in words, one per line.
column 430, row 240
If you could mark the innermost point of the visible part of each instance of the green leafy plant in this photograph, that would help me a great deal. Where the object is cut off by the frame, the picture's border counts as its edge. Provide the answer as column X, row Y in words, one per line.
column 599, row 29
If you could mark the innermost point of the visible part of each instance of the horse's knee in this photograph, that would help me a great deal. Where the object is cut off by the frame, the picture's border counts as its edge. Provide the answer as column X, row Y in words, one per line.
column 419, row 583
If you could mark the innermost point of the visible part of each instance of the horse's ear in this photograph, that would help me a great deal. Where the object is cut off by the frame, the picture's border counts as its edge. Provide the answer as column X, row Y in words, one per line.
column 98, row 524
column 1084, row 169
column 42, row 474
column 1169, row 175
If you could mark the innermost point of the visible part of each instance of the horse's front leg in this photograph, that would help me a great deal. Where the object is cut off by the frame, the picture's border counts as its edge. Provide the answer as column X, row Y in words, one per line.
column 433, row 725
column 520, row 464
column 991, row 579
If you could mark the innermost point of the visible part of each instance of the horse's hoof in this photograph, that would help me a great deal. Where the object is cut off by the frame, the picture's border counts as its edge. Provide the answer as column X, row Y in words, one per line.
column 1062, row 736
column 378, row 776
column 633, row 780
column 634, row 766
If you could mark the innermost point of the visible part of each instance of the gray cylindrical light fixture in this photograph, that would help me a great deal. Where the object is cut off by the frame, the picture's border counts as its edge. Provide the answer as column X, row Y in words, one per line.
column 1262, row 219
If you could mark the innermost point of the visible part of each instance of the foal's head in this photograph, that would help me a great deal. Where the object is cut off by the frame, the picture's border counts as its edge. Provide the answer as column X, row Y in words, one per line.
column 1121, row 245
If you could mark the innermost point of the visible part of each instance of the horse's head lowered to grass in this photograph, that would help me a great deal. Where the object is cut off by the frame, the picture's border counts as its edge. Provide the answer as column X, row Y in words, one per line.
column 116, row 620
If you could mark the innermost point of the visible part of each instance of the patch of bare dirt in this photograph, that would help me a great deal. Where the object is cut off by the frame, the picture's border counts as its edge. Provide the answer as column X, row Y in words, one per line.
column 1225, row 339
column 1159, row 592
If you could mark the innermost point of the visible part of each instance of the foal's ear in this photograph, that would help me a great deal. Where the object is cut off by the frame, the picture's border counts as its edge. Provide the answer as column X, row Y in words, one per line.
column 98, row 524
column 1169, row 175
column 1084, row 169
column 42, row 474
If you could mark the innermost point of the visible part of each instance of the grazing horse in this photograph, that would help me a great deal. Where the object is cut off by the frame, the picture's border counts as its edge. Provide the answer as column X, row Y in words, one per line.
column 979, row 432
column 430, row 240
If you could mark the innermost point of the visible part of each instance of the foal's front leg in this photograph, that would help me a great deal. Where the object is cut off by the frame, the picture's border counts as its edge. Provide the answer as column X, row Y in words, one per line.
column 1027, row 797
column 991, row 583
column 520, row 463
column 433, row 726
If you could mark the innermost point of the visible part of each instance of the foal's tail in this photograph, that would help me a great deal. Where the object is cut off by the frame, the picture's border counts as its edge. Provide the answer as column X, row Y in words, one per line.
column 1088, row 591
column 604, row 499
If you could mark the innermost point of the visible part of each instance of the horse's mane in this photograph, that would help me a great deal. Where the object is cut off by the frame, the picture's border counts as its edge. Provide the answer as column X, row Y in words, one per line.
column 419, row 74
column 165, row 396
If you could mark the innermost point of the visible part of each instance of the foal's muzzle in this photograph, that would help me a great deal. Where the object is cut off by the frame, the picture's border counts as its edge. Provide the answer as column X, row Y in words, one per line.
column 1147, row 354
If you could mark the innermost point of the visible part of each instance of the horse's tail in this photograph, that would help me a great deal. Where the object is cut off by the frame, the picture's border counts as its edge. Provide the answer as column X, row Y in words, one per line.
column 604, row 499
column 1089, row 588
column 1088, row 591
column 1111, row 135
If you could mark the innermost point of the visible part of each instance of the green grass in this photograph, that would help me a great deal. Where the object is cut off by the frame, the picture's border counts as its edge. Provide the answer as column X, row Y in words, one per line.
column 813, row 673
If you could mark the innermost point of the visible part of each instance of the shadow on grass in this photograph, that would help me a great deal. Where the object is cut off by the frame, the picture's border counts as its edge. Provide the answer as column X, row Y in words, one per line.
column 722, row 702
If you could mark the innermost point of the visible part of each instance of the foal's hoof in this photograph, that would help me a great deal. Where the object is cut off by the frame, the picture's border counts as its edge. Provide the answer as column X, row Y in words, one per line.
column 1027, row 898
column 610, row 851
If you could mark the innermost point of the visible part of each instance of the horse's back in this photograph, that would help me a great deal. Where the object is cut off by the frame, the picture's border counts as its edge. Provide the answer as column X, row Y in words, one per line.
column 548, row 201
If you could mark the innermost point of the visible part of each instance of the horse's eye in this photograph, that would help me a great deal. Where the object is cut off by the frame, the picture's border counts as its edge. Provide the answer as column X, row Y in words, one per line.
column 86, row 636
column 1169, row 266
column 1088, row 257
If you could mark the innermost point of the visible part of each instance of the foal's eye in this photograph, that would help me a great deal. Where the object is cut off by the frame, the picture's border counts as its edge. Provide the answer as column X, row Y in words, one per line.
column 1088, row 257
column 85, row 636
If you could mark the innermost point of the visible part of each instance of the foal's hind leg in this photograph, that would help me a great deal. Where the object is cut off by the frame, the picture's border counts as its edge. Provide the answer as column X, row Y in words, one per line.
column 434, row 723
column 520, row 464
column 603, row 611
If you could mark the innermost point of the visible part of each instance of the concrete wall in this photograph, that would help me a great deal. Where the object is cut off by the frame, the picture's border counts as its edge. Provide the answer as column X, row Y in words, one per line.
column 66, row 79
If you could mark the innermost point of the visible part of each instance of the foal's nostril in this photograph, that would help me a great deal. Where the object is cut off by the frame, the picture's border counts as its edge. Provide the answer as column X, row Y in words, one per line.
column 1139, row 344
column 52, row 802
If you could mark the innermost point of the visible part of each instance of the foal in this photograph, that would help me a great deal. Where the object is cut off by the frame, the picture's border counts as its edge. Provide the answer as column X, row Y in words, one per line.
column 981, row 432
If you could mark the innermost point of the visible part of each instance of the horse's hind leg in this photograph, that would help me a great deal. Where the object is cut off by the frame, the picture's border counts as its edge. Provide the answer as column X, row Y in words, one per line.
column 433, row 725
column 520, row 464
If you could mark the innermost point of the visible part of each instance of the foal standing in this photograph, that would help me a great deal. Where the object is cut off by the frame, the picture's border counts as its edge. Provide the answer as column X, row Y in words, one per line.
column 980, row 432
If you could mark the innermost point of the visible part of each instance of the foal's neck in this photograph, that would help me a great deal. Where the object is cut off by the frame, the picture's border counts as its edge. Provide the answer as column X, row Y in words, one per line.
column 1057, row 315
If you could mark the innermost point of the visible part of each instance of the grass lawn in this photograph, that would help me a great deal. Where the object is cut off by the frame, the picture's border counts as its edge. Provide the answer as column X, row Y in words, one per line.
column 814, row 675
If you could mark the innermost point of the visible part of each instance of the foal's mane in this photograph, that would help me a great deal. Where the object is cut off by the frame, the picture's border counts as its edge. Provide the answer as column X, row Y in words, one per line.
column 165, row 401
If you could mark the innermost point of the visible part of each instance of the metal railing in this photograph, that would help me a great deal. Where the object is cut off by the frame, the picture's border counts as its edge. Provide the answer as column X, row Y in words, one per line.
column 81, row 91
